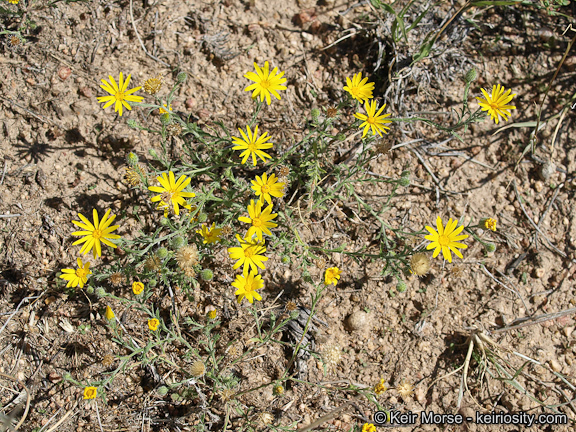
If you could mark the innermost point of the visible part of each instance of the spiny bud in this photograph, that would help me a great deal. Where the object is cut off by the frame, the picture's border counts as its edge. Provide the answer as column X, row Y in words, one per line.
column 177, row 242
column 315, row 114
column 133, row 124
column 100, row 292
column 164, row 221
column 132, row 159
column 153, row 153
column 207, row 275
column 490, row 247
column 89, row 290
column 162, row 391
column 202, row 217
column 306, row 276
column 285, row 259
column 152, row 282
column 181, row 77
column 162, row 253
column 165, row 119
column 404, row 181
column 401, row 286
column 278, row 390
column 471, row 76
column 341, row 137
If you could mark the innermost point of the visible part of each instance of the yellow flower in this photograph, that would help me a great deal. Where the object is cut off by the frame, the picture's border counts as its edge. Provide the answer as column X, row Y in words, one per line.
column 265, row 83
column 247, row 286
column 109, row 313
column 171, row 191
column 119, row 95
column 488, row 223
column 359, row 88
column 446, row 239
column 153, row 324
column 168, row 109
column 90, row 392
column 373, row 120
column 259, row 219
column 368, row 427
column 95, row 233
column 265, row 186
column 212, row 314
column 332, row 275
column 495, row 104
column 380, row 387
column 249, row 254
column 252, row 145
column 211, row 235
column 137, row 288
column 78, row 276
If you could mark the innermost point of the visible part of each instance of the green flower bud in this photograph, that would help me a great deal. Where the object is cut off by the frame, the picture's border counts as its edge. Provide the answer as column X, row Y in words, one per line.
column 341, row 137
column 132, row 159
column 315, row 114
column 177, row 242
column 181, row 77
column 100, row 292
column 164, row 221
column 294, row 314
column 404, row 181
column 202, row 217
column 285, row 259
column 153, row 153
column 471, row 76
column 133, row 124
column 162, row 253
column 306, row 276
column 401, row 286
column 165, row 119
column 207, row 275
column 490, row 247
column 175, row 397
column 89, row 290
column 66, row 376
column 278, row 390
column 152, row 282
column 162, row 391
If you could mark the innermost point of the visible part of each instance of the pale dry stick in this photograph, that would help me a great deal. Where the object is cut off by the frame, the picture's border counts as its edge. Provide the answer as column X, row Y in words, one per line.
column 527, row 321
column 64, row 417
column 98, row 417
column 353, row 32
column 325, row 418
column 4, row 171
column 518, row 197
column 504, row 285
column 10, row 215
column 140, row 39
column 28, row 399
column 547, row 210
column 553, row 150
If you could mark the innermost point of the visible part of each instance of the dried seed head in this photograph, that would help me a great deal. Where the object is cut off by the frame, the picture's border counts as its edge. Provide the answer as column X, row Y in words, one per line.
column 234, row 351
column 331, row 355
column 264, row 419
column 290, row 306
column 153, row 263
column 133, row 175
column 189, row 272
column 187, row 256
column 198, row 369
column 320, row 263
column 283, row 171
column 107, row 360
column 331, row 112
column 13, row 40
column 226, row 230
column 457, row 271
column 153, row 85
column 383, row 147
column 405, row 389
column 117, row 279
column 420, row 264
column 227, row 394
column 174, row 129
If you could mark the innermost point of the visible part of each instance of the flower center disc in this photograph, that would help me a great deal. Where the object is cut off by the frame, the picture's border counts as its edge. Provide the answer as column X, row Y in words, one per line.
column 370, row 120
column 265, row 84
column 120, row 96
column 443, row 240
column 265, row 189
column 97, row 234
column 81, row 273
column 256, row 222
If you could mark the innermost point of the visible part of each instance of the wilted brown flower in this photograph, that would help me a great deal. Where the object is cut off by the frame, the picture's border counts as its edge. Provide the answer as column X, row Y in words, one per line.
column 153, row 85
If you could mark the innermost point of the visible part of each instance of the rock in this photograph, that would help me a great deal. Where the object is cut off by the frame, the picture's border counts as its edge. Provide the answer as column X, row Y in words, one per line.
column 357, row 320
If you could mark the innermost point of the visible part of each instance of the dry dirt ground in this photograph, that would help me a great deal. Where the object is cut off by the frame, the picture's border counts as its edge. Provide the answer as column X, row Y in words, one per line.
column 61, row 154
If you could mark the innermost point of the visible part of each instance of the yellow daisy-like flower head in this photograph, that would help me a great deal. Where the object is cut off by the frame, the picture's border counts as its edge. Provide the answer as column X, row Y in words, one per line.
column 360, row 89
column 165, row 109
column 380, row 387
column 373, row 120
column 171, row 191
column 153, row 324
column 247, row 286
column 488, row 223
column 109, row 313
column 252, row 145
column 265, row 83
column 95, row 233
column 495, row 103
column 250, row 254
column 268, row 186
column 90, row 392
column 368, row 427
column 119, row 95
column 332, row 275
column 210, row 235
column 137, row 288
column 78, row 276
column 446, row 239
column 259, row 219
